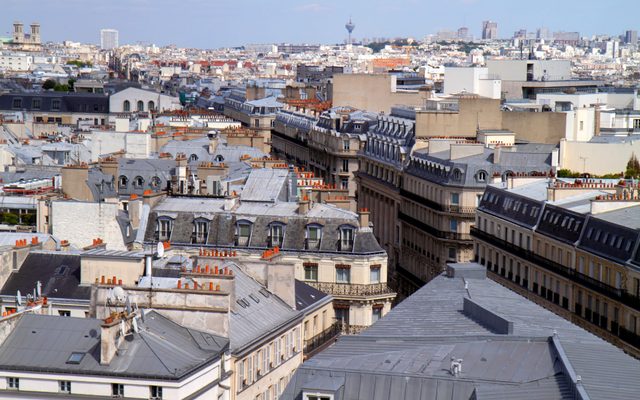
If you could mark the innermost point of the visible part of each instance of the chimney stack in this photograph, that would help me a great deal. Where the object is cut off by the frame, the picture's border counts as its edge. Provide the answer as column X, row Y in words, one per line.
column 363, row 218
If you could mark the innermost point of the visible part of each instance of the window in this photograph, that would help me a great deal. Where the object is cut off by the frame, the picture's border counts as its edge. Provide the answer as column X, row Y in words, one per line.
column 256, row 122
column 243, row 234
column 455, row 199
column 346, row 238
column 138, row 182
column 241, row 380
column 64, row 313
column 453, row 225
column 75, row 358
column 314, row 234
column 311, row 272
column 13, row 383
column 374, row 274
column 343, row 275
column 481, row 176
column 345, row 144
column 376, row 313
column 151, row 106
column 36, row 104
column 457, row 175
column 117, row 390
column 316, row 396
column 17, row 103
column 55, row 104
column 193, row 157
column 123, row 181
column 345, row 165
column 342, row 314
column 200, row 231
column 155, row 392
column 155, row 182
column 636, row 124
column 140, row 106
column 65, row 386
column 452, row 254
column 276, row 235
column 344, row 183
column 126, row 106
column 164, row 227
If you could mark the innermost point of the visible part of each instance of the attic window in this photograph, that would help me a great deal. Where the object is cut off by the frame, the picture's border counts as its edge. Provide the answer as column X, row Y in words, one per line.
column 254, row 298
column 75, row 358
column 264, row 292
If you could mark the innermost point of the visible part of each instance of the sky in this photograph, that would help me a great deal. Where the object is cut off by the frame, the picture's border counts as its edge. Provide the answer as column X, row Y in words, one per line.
column 221, row 23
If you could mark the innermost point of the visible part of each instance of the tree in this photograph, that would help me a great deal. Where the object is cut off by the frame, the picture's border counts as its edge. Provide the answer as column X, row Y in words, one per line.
column 633, row 167
column 49, row 84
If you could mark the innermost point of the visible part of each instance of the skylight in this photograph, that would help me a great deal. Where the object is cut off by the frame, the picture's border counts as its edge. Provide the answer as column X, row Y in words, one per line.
column 75, row 358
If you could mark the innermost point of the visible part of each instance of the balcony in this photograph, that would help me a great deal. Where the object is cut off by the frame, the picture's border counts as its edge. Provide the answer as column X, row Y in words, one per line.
column 433, row 231
column 588, row 282
column 349, row 329
column 353, row 290
column 322, row 340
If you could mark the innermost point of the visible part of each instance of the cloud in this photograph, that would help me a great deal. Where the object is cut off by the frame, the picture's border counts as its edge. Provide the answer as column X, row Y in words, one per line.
column 313, row 8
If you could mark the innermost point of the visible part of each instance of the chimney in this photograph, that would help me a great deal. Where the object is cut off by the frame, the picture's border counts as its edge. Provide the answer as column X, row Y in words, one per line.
column 304, row 205
column 230, row 202
column 213, row 142
column 148, row 264
column 135, row 209
column 281, row 280
column 112, row 332
column 363, row 218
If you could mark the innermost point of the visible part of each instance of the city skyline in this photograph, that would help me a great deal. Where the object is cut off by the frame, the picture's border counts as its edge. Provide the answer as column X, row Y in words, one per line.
column 205, row 24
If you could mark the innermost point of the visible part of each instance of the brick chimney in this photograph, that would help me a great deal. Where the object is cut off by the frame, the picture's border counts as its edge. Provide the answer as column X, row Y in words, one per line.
column 363, row 218
column 112, row 332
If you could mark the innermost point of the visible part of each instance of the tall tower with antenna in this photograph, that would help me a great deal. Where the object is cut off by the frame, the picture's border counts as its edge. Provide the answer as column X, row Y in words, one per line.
column 350, row 27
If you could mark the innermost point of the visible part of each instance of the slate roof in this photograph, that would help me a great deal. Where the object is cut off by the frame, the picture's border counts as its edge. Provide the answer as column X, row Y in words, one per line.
column 58, row 272
column 161, row 349
column 307, row 296
column 264, row 314
column 69, row 102
column 406, row 354
column 149, row 170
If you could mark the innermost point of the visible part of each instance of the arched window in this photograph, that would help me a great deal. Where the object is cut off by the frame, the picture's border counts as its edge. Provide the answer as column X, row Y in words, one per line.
column 151, row 106
column 140, row 105
column 126, row 106
column 155, row 182
column 219, row 158
column 138, row 181
column 193, row 157
column 481, row 176
column 457, row 174
column 123, row 181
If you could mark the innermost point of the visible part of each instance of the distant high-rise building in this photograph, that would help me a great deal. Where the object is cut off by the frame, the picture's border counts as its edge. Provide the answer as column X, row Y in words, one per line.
column 463, row 33
column 520, row 34
column 108, row 39
column 631, row 37
column 543, row 33
column 489, row 30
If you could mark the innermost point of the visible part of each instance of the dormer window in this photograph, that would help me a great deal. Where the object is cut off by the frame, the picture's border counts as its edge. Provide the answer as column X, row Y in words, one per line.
column 193, row 157
column 138, row 182
column 200, row 231
column 481, row 176
column 346, row 238
column 163, row 228
column 276, row 234
column 155, row 182
column 456, row 175
column 314, row 235
column 123, row 181
column 243, row 233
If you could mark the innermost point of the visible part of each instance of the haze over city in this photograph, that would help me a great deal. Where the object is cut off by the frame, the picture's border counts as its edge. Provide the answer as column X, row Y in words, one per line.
column 221, row 23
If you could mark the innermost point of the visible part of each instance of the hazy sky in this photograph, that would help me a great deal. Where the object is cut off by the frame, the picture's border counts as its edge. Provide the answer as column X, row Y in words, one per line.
column 218, row 23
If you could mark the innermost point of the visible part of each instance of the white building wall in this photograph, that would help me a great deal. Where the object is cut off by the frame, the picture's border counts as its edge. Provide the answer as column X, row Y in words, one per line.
column 81, row 222
column 162, row 102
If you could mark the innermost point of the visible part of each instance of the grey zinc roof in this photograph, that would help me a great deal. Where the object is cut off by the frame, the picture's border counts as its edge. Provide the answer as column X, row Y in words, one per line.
column 265, row 184
column 161, row 349
column 406, row 354
column 259, row 318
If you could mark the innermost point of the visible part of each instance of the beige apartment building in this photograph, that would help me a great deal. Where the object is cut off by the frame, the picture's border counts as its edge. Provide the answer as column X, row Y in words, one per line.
column 570, row 246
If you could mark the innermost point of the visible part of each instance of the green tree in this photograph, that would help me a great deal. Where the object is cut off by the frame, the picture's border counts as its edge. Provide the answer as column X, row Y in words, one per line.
column 49, row 84
column 9, row 219
column 633, row 167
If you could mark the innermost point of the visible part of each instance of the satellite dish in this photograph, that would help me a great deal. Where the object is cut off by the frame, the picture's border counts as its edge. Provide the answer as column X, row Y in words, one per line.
column 160, row 250
column 119, row 294
column 18, row 298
